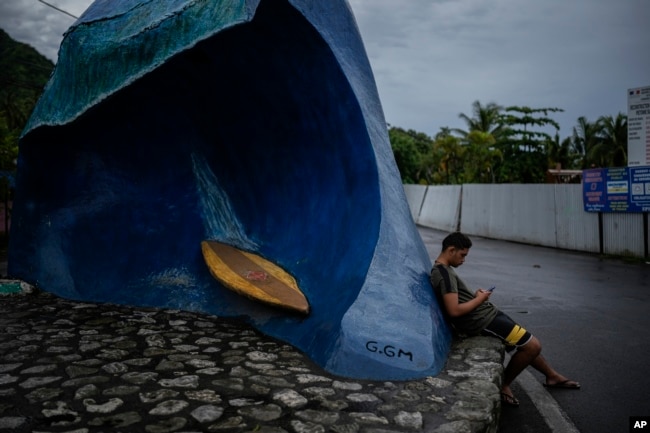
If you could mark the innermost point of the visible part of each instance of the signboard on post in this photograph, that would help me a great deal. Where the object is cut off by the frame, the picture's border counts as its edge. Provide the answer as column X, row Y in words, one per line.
column 638, row 127
column 620, row 189
column 640, row 188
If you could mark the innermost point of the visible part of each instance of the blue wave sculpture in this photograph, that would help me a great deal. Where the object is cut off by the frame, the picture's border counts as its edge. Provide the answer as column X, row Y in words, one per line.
column 255, row 123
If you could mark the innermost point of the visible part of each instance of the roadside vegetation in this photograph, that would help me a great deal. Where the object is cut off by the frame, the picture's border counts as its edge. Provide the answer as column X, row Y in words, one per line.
column 507, row 145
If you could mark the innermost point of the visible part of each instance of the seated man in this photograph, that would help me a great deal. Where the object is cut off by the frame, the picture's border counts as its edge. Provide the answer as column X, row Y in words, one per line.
column 472, row 314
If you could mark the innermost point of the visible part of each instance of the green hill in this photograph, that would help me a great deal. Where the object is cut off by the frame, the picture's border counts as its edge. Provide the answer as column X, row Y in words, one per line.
column 23, row 74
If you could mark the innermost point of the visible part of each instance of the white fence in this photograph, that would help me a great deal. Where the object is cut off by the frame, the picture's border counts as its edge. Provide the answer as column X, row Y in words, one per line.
column 540, row 214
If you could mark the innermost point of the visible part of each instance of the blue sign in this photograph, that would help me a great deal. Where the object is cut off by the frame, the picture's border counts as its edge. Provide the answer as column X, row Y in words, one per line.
column 640, row 188
column 620, row 189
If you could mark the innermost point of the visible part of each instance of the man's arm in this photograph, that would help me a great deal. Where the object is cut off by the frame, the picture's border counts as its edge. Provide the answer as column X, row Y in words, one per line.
column 456, row 309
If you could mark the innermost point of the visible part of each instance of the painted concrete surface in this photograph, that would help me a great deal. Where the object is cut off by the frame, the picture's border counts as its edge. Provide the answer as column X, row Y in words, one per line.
column 255, row 123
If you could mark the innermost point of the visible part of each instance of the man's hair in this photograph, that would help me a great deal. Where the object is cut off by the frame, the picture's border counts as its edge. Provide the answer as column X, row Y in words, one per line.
column 457, row 240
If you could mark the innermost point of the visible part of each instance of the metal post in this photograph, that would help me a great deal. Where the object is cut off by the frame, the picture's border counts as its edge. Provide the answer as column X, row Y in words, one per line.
column 600, row 233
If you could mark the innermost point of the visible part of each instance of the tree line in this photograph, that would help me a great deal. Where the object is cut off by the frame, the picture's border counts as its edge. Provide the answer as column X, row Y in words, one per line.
column 23, row 75
column 515, row 144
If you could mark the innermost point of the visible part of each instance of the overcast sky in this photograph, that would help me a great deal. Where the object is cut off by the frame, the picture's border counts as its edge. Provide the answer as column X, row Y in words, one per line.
column 433, row 58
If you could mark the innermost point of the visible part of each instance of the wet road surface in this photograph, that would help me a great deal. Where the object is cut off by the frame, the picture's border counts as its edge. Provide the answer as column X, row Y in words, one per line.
column 589, row 312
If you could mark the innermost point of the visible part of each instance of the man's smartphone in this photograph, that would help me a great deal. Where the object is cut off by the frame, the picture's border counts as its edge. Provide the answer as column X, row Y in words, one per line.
column 491, row 288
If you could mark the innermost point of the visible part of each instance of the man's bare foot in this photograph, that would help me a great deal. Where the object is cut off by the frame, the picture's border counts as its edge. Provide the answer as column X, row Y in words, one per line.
column 562, row 383
column 509, row 400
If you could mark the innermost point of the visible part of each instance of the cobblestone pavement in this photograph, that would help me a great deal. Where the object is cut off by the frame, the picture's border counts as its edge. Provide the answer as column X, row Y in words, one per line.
column 80, row 367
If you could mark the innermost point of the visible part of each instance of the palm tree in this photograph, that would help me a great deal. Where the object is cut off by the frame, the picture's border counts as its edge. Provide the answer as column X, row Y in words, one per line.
column 611, row 149
column 484, row 119
column 448, row 153
column 585, row 137
column 481, row 158
column 561, row 152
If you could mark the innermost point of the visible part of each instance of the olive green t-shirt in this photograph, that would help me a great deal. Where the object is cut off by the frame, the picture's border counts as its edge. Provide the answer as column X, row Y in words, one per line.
column 444, row 280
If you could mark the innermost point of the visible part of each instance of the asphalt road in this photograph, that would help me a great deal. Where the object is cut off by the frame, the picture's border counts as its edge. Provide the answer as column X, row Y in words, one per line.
column 591, row 315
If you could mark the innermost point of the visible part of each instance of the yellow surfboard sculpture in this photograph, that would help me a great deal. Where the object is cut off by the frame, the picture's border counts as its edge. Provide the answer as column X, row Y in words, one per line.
column 253, row 276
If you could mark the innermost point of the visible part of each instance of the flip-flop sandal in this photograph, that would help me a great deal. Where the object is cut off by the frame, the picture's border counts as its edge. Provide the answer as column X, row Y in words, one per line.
column 509, row 400
column 565, row 384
